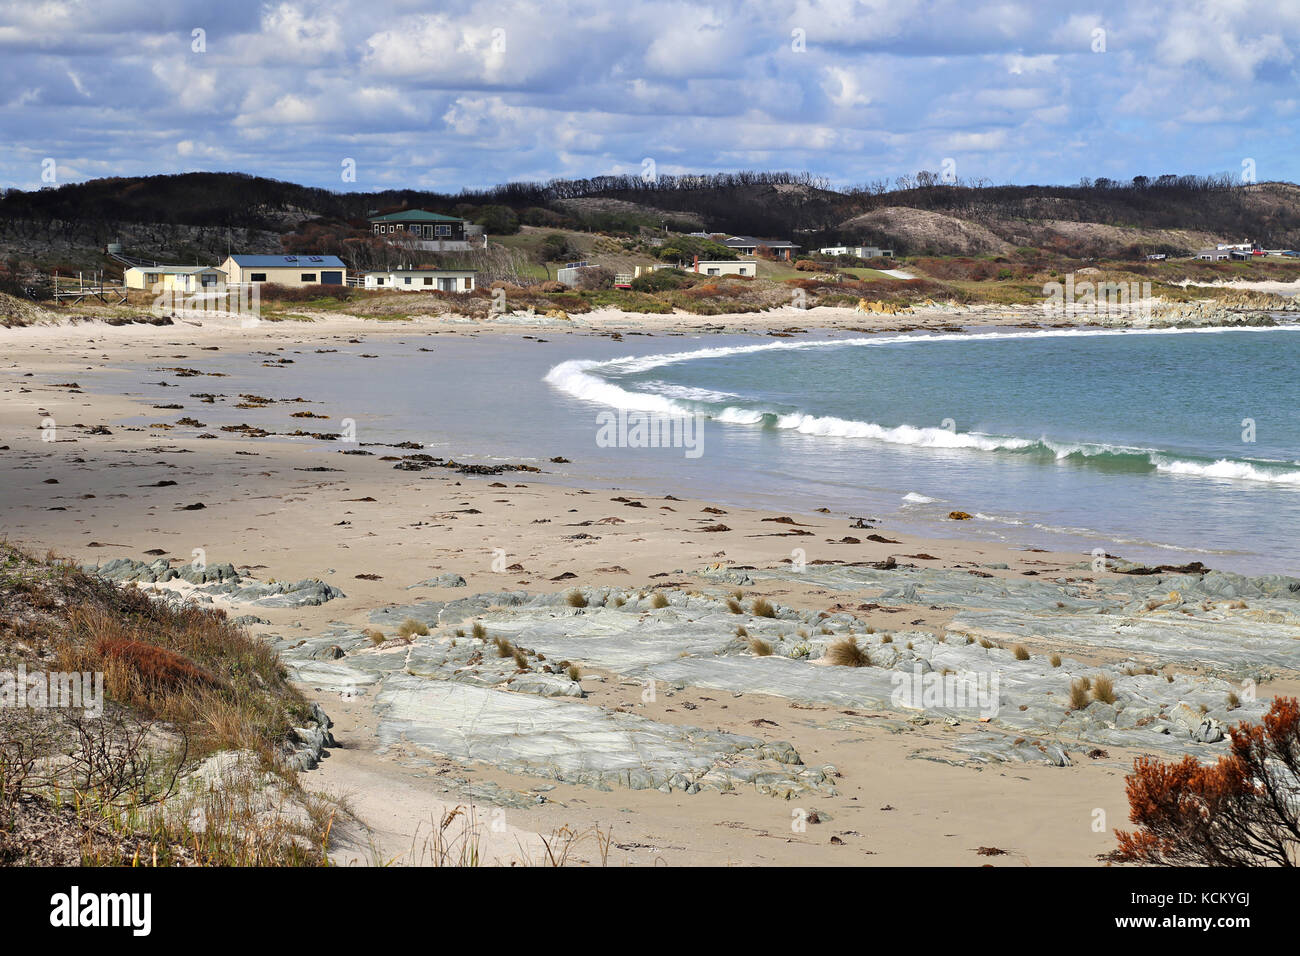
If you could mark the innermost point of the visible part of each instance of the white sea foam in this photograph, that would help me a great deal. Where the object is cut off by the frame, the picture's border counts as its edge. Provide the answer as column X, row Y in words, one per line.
column 576, row 378
column 912, row 498
column 1226, row 468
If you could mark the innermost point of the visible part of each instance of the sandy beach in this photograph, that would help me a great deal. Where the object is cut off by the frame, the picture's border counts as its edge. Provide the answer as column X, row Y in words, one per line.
column 79, row 481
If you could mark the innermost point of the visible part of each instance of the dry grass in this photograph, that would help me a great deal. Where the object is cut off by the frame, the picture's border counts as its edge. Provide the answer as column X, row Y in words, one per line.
column 659, row 600
column 575, row 599
column 412, row 628
column 376, row 637
column 734, row 606
column 179, row 685
column 1079, row 698
column 847, row 653
column 1055, row 660
column 762, row 607
column 759, row 647
column 1020, row 653
column 1103, row 689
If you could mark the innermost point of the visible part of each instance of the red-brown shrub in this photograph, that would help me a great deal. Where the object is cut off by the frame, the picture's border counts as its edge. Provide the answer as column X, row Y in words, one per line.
column 1242, row 811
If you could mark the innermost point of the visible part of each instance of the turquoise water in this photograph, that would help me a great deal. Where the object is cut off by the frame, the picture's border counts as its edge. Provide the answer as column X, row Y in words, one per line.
column 1131, row 442
column 1152, row 442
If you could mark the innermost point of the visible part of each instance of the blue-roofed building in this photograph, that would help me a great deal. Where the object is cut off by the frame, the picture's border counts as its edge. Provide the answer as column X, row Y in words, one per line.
column 287, row 270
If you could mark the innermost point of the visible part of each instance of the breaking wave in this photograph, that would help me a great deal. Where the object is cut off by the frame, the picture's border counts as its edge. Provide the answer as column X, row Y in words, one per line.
column 585, row 379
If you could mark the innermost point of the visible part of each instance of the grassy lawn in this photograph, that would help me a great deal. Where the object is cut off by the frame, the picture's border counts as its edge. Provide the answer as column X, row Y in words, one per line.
column 865, row 273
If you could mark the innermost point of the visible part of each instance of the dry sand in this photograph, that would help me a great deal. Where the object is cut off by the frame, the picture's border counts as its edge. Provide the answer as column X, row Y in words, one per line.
column 261, row 514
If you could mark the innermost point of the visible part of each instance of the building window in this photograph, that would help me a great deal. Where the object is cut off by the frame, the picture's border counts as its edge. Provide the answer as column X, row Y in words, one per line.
column 469, row 283
column 307, row 277
column 379, row 280
column 446, row 285
column 713, row 272
column 406, row 280
column 442, row 230
column 257, row 277
column 428, row 280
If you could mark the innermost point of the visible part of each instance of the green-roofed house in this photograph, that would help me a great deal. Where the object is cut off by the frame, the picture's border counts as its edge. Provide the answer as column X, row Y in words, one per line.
column 426, row 231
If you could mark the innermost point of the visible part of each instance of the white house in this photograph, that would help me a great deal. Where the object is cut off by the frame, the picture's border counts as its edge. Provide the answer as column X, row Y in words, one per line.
column 422, row 280
column 860, row 252
column 725, row 267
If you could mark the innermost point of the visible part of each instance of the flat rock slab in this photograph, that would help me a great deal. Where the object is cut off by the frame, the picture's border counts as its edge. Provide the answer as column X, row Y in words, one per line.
column 577, row 743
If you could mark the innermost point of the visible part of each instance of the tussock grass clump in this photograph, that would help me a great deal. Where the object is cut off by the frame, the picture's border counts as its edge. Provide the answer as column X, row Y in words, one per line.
column 985, row 643
column 1020, row 653
column 620, row 601
column 1233, row 700
column 504, row 647
column 479, row 632
column 847, row 653
column 886, row 638
column 375, row 636
column 575, row 598
column 762, row 607
column 741, row 631
column 1055, row 660
column 412, row 628
column 1103, row 689
column 521, row 659
column 734, row 606
column 659, row 600
column 574, row 673
column 1079, row 698
column 759, row 647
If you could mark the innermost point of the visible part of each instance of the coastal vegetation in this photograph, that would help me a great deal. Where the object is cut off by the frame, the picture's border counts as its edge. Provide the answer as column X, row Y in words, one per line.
column 1239, row 811
column 197, row 726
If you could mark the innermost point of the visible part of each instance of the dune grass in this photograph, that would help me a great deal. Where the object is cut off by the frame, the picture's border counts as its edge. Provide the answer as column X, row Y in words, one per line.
column 412, row 628
column 847, row 653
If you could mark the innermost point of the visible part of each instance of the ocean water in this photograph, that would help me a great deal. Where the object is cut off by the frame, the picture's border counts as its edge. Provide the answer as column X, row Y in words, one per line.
column 1164, row 446
column 1149, row 444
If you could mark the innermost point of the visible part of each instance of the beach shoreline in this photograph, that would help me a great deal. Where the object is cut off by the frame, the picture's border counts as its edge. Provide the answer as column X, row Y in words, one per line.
column 277, row 510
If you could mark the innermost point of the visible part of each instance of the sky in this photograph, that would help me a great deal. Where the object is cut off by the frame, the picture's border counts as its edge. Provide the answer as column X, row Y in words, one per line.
column 376, row 94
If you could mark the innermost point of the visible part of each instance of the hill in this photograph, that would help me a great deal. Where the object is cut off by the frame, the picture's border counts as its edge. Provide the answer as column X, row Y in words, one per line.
column 198, row 216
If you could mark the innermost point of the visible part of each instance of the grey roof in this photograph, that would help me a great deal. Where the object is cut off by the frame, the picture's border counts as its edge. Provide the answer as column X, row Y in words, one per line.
column 174, row 270
column 742, row 241
column 289, row 262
